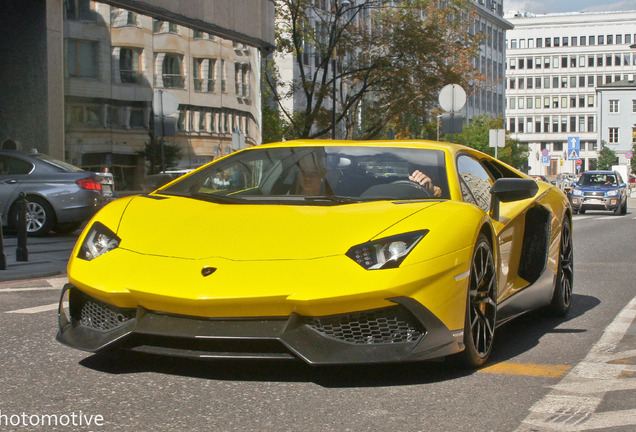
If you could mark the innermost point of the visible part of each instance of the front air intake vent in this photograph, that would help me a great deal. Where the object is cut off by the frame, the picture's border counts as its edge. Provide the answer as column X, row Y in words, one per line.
column 380, row 326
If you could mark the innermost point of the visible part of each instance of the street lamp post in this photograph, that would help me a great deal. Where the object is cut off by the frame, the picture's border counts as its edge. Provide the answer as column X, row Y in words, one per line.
column 339, row 5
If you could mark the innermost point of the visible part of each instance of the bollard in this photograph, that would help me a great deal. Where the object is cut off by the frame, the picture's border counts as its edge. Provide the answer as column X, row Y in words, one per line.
column 3, row 257
column 21, row 252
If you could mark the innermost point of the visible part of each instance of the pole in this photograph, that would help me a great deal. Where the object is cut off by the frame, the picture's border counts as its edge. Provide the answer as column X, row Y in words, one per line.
column 333, row 128
column 163, row 133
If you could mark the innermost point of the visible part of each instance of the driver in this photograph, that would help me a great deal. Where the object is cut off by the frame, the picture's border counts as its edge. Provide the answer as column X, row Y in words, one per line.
column 426, row 182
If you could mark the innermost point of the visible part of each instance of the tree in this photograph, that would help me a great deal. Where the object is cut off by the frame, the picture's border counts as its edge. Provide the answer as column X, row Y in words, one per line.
column 388, row 61
column 152, row 154
column 477, row 135
column 606, row 157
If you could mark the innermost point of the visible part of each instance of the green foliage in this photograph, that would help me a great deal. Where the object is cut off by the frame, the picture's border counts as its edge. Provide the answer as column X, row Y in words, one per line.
column 606, row 158
column 152, row 154
column 477, row 135
column 390, row 66
column 633, row 160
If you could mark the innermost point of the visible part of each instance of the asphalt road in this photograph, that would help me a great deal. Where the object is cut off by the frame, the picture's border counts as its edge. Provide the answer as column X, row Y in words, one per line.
column 545, row 374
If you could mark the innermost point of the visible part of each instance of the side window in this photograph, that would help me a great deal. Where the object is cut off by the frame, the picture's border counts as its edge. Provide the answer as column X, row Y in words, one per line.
column 475, row 181
column 12, row 166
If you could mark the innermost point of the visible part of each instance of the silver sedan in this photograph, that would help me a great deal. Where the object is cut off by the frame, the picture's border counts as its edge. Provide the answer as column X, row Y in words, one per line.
column 59, row 196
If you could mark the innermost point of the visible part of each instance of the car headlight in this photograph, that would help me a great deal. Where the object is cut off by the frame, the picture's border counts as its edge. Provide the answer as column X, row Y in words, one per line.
column 385, row 253
column 614, row 192
column 98, row 241
column 577, row 192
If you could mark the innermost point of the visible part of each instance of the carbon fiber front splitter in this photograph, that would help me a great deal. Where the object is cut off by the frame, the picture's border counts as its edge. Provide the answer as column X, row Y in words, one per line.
column 405, row 332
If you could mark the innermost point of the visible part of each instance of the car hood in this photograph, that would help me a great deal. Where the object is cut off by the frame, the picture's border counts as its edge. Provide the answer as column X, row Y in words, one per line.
column 597, row 188
column 192, row 229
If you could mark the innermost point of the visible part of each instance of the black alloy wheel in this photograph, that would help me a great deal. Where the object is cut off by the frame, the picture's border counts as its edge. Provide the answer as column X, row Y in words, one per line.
column 562, row 297
column 481, row 308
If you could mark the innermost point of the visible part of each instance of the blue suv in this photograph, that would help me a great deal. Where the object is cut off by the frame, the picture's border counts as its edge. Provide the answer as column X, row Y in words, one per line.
column 600, row 190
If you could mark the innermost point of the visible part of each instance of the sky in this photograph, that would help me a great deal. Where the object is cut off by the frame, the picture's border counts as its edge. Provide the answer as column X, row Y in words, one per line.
column 558, row 6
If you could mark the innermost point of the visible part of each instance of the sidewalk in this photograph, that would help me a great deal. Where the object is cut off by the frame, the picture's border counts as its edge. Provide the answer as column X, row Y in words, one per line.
column 48, row 256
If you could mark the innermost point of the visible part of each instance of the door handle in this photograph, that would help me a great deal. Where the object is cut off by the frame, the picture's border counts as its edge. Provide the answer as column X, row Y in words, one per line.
column 11, row 181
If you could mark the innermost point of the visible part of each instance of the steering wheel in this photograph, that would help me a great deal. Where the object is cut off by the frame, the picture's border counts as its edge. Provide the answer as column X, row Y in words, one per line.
column 414, row 185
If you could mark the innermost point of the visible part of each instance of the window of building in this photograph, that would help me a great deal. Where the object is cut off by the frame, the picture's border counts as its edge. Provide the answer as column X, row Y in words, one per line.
column 529, row 103
column 557, row 41
column 130, row 65
column 546, row 63
column 572, row 101
column 81, row 58
column 581, row 81
column 513, row 43
column 590, row 123
column 592, row 40
column 172, row 71
column 537, row 124
column 564, row 101
column 522, row 63
column 613, row 106
column 581, row 101
column 564, row 82
column 539, row 42
column 590, row 101
column 608, row 60
column 572, row 124
column 555, row 82
column 137, row 118
column 575, row 40
column 601, row 40
column 557, row 147
column 513, row 103
column 513, row 63
column 610, row 39
column 537, row 82
column 613, row 135
column 546, row 124
column 566, row 41
column 123, row 18
column 522, row 83
column 79, row 10
column 581, row 124
column 590, row 80
column 583, row 40
column 546, row 102
column 555, row 62
column 573, row 61
column 599, row 60
column 581, row 61
column 537, row 62
column 628, row 38
column 564, row 124
column 555, row 101
column 634, row 105
column 530, row 83
column 564, row 61
column 513, row 83
column 548, row 42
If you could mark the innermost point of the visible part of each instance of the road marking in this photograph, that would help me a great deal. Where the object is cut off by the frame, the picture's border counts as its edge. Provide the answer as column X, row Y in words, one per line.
column 9, row 290
column 529, row 369
column 572, row 403
column 36, row 309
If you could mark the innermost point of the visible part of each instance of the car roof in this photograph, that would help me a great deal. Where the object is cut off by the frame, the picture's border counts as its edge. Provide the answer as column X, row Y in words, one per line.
column 599, row 172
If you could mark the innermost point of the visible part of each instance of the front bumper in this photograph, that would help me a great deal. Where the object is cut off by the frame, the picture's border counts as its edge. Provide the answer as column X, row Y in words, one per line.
column 596, row 203
column 405, row 332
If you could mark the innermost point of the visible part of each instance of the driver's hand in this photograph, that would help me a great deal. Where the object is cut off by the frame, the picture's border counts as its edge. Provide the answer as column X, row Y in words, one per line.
column 425, row 181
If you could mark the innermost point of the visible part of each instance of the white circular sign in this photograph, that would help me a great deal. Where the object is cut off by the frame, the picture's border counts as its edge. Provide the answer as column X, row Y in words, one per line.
column 164, row 103
column 452, row 98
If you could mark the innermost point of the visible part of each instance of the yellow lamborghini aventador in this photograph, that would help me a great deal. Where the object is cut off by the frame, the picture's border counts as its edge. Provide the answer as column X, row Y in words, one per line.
column 325, row 251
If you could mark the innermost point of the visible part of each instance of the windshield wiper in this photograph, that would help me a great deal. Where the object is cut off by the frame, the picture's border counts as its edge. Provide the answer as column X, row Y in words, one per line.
column 223, row 199
column 332, row 198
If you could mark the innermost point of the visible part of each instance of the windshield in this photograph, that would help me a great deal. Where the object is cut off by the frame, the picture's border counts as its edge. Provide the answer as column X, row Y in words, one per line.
column 598, row 180
column 316, row 175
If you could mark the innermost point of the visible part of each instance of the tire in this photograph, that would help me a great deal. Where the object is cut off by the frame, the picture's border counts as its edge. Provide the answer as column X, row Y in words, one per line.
column 481, row 306
column 39, row 219
column 562, row 297
column 581, row 211
column 624, row 208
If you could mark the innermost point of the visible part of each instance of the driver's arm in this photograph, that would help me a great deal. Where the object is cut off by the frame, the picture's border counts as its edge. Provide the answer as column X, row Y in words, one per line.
column 424, row 180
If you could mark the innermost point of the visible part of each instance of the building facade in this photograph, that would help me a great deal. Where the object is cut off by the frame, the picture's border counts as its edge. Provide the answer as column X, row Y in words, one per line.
column 489, row 97
column 617, row 117
column 116, row 62
column 554, row 65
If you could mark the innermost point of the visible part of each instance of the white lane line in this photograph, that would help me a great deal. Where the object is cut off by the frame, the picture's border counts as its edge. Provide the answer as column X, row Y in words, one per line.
column 572, row 403
column 37, row 309
column 9, row 290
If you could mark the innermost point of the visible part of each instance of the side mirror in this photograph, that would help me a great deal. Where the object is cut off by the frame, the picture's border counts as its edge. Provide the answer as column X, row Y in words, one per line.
column 510, row 189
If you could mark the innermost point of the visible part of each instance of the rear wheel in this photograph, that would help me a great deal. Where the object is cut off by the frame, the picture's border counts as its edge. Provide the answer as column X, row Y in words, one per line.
column 39, row 217
column 562, row 297
column 481, row 307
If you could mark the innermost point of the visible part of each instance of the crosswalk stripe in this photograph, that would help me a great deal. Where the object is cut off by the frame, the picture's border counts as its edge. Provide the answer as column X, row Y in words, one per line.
column 37, row 309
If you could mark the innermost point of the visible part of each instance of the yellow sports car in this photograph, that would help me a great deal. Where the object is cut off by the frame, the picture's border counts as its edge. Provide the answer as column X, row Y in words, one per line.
column 331, row 252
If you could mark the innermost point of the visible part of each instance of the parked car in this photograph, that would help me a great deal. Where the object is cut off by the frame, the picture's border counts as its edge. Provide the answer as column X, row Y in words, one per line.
column 327, row 252
column 600, row 190
column 60, row 196
column 540, row 177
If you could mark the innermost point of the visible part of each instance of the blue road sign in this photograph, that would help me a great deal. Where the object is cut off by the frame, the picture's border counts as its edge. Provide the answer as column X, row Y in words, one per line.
column 545, row 160
column 574, row 148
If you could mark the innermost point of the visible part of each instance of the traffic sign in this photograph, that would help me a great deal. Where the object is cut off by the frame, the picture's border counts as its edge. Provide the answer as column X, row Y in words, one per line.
column 629, row 154
column 452, row 98
column 545, row 160
column 574, row 148
column 164, row 103
column 579, row 162
column 545, row 152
